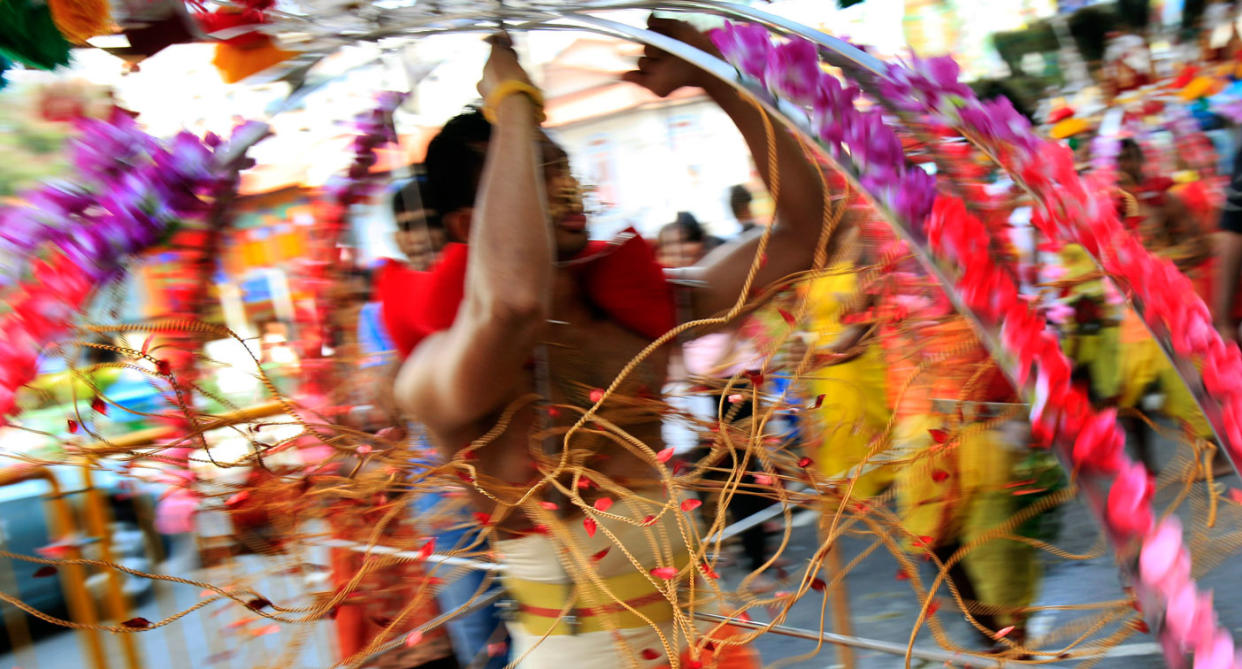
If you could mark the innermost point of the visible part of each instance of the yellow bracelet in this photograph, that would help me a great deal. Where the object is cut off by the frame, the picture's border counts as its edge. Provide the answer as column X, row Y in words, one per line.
column 511, row 87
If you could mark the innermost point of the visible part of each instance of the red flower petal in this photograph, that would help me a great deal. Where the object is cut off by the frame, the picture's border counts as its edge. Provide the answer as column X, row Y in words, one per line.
column 427, row 549
column 266, row 630
column 136, row 623
column 600, row 555
column 818, row 585
column 666, row 573
column 146, row 343
column 903, row 575
column 584, row 483
column 550, row 506
column 805, row 462
column 691, row 504
column 940, row 475
column 413, row 638
column 99, row 406
column 665, row 455
column 678, row 465
column 258, row 603
column 650, row 654
column 497, row 649
column 236, row 500
column 1002, row 632
column 589, row 524
column 45, row 571
column 932, row 608
column 708, row 571
column 789, row 318
column 939, row 436
column 603, row 504
column 819, row 402
column 163, row 367
column 1235, row 495
column 596, row 395
column 648, row 520
column 482, row 518
column 73, row 426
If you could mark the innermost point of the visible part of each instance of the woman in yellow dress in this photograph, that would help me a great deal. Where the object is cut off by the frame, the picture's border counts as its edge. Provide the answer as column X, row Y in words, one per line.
column 852, row 414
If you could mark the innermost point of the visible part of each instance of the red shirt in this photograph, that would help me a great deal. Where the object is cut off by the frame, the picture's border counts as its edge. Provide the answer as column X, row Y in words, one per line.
column 621, row 277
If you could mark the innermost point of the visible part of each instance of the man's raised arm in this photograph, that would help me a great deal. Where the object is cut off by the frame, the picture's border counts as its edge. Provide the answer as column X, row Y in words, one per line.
column 473, row 368
column 800, row 201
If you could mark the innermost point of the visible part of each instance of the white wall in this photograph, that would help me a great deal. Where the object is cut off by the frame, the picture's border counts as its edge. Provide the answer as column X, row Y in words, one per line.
column 681, row 157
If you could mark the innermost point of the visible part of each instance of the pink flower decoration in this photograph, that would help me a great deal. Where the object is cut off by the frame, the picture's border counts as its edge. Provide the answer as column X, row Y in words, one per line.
column 1099, row 445
column 793, row 71
column 1164, row 564
column 1129, row 500
column 175, row 513
column 745, row 44
column 1215, row 652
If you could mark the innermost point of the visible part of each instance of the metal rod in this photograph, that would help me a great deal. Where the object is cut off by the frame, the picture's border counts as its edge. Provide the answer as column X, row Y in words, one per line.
column 64, row 527
column 409, row 555
column 864, row 68
column 855, row 642
column 99, row 523
column 971, row 659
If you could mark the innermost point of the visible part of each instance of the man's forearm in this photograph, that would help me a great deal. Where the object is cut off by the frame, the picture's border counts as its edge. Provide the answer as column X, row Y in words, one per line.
column 510, row 242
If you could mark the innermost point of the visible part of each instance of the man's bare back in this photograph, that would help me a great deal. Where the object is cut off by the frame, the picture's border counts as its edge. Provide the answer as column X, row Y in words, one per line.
column 579, row 354
column 528, row 350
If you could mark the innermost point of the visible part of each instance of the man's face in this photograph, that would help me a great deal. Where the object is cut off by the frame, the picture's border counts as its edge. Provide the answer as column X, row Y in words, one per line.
column 565, row 210
column 420, row 244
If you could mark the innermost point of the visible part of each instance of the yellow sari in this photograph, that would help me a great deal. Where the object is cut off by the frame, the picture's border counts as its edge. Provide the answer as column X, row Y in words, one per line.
column 853, row 413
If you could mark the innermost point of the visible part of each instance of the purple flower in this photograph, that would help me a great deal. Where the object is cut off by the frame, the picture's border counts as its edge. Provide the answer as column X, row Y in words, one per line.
column 185, row 158
column 833, row 111
column 745, row 45
column 106, row 148
column 941, row 74
column 90, row 250
column 388, row 101
column 914, row 196
column 793, row 72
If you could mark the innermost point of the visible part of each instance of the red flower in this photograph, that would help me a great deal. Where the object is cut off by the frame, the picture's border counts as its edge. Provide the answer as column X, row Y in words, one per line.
column 1099, row 445
column 1129, row 501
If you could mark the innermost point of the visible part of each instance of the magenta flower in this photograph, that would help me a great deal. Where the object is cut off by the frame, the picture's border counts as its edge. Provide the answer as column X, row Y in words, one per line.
column 1129, row 501
column 1217, row 651
column 1164, row 564
column 1099, row 445
column 915, row 195
column 793, row 71
column 745, row 45
column 1191, row 620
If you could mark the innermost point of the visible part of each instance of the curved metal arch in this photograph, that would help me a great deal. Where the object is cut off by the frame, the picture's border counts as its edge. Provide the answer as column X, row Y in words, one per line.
column 861, row 67
column 849, row 58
